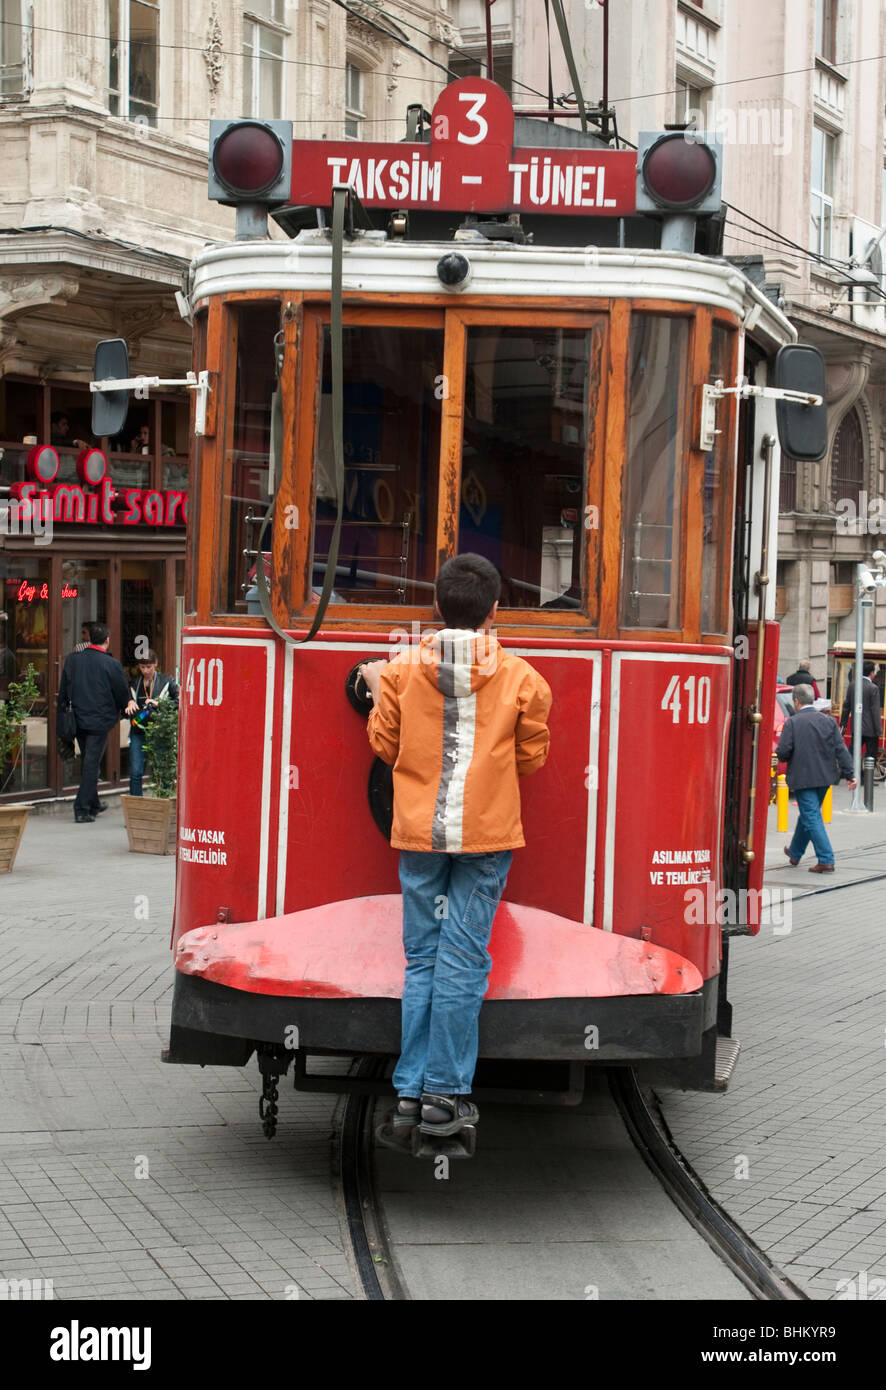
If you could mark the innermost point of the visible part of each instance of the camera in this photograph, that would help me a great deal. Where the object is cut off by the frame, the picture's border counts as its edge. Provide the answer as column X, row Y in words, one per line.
column 867, row 579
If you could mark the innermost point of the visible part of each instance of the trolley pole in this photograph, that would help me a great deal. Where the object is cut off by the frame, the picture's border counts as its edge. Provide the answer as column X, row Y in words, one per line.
column 857, row 803
column 867, row 581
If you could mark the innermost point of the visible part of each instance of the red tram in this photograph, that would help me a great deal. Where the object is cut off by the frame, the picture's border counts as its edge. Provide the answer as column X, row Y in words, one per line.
column 518, row 341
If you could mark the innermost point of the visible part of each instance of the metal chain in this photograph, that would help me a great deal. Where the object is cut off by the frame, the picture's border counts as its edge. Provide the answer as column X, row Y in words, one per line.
column 269, row 1095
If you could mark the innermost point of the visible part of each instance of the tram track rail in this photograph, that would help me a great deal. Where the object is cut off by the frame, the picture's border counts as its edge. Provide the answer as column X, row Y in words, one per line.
column 653, row 1139
column 367, row 1231
column 644, row 1124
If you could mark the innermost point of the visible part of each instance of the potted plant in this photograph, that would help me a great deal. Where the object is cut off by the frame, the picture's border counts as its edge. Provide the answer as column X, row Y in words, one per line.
column 20, row 700
column 150, row 820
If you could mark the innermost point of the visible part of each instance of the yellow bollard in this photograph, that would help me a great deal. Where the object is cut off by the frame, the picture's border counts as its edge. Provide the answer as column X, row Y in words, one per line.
column 782, row 797
column 827, row 806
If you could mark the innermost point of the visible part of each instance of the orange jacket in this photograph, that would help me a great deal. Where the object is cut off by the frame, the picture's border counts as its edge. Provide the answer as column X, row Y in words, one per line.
column 461, row 720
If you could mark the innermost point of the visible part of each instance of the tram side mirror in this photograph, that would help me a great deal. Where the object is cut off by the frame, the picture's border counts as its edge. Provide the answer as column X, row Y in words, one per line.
column 110, row 408
column 802, row 429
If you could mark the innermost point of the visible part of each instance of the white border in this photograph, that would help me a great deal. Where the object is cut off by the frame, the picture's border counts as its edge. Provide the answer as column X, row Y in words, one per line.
column 194, row 640
column 285, row 789
column 289, row 676
column 673, row 659
column 595, row 656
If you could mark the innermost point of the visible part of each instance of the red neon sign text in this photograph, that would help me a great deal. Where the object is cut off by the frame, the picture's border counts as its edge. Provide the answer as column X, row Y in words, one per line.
column 28, row 592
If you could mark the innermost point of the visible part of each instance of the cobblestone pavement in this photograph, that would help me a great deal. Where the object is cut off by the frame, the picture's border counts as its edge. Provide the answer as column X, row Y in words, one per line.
column 795, row 1149
column 121, row 1177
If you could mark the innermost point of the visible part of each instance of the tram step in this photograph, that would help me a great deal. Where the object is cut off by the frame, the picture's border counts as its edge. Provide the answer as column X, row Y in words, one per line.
column 460, row 1145
column 727, row 1056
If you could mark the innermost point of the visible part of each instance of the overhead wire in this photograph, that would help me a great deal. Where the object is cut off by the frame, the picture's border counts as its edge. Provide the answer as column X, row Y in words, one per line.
column 338, row 67
column 454, row 48
column 395, row 38
column 847, row 281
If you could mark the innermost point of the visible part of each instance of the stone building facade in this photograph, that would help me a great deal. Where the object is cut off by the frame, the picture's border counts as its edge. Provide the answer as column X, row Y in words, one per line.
column 104, row 123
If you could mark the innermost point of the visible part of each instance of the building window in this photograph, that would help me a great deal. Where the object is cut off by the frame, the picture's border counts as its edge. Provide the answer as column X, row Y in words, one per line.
column 842, row 572
column 821, row 195
column 847, row 461
column 15, row 49
column 354, row 110
column 826, row 30
column 132, row 64
column 264, row 36
column 474, row 65
column 690, row 105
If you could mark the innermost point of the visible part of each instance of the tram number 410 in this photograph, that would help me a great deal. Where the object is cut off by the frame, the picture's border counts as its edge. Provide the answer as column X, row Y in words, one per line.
column 697, row 703
column 204, row 682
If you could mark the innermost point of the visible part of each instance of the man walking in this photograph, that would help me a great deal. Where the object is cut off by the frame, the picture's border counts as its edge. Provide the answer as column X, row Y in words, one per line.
column 96, row 687
column 813, row 749
column 803, row 676
column 871, row 717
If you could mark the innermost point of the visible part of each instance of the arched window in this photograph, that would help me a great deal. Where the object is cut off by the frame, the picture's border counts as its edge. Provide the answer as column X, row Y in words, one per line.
column 847, row 461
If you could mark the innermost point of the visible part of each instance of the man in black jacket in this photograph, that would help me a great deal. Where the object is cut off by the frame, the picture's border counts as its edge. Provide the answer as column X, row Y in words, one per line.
column 813, row 748
column 96, row 687
column 871, row 718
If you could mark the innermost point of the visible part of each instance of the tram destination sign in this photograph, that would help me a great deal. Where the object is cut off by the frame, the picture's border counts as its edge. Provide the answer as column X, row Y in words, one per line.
column 470, row 165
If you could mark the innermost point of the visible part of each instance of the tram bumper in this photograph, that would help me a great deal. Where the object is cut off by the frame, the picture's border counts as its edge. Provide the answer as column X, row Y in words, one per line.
column 329, row 979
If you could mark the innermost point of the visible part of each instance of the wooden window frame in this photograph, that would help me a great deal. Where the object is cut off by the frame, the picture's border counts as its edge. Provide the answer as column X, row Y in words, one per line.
column 605, row 459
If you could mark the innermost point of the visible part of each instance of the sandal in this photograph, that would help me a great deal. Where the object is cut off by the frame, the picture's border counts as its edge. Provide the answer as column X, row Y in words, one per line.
column 444, row 1115
column 396, row 1131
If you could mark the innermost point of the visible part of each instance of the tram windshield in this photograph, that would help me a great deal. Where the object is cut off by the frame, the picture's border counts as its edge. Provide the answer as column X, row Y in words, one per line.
column 523, row 460
column 392, row 408
column 654, row 477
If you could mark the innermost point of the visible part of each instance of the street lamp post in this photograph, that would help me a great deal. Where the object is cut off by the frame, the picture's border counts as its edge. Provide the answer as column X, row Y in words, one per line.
column 869, row 578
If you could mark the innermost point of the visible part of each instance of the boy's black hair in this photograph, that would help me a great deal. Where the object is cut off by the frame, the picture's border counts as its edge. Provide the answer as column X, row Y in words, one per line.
column 98, row 634
column 467, row 587
column 868, row 668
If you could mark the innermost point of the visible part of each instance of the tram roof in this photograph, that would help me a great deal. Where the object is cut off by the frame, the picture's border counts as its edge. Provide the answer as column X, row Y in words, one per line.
column 374, row 264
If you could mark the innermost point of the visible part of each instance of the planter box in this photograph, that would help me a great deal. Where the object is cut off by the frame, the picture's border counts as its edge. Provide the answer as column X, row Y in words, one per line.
column 12, row 827
column 150, row 823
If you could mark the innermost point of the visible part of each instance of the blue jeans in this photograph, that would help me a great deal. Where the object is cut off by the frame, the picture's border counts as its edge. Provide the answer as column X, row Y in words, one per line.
column 449, row 901
column 810, row 825
column 136, row 762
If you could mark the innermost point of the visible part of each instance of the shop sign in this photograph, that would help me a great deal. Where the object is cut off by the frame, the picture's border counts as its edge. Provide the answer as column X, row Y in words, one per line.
column 91, row 501
column 30, row 591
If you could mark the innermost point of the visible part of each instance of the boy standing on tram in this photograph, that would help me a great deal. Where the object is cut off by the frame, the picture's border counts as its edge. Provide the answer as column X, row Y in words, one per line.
column 461, row 720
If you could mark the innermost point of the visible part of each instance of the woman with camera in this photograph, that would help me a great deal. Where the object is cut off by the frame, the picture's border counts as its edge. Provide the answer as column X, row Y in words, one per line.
column 151, row 687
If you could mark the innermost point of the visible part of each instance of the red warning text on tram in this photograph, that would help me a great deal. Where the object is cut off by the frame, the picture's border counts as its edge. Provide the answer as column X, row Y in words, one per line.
column 470, row 165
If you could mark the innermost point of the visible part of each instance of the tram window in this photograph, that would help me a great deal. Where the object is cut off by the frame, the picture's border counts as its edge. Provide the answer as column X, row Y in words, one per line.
column 654, row 477
column 716, row 494
column 523, row 460
column 392, row 413
column 247, row 481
